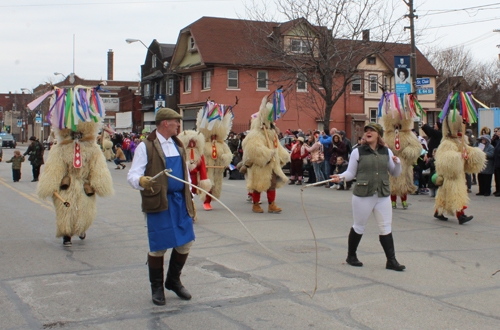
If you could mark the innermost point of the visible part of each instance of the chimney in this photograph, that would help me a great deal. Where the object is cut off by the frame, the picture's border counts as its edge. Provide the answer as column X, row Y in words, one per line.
column 277, row 31
column 110, row 64
column 366, row 35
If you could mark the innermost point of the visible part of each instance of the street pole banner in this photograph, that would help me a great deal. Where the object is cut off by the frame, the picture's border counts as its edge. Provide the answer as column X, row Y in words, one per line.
column 402, row 74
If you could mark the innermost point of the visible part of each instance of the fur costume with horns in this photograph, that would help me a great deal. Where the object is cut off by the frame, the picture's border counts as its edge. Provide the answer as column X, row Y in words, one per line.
column 260, row 158
column 194, row 142
column 78, row 186
column 397, row 130
column 452, row 164
column 217, row 153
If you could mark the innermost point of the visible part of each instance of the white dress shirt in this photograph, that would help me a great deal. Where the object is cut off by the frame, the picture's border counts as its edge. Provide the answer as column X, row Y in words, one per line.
column 141, row 160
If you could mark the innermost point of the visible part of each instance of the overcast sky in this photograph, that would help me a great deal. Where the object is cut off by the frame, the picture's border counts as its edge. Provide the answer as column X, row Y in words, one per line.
column 36, row 36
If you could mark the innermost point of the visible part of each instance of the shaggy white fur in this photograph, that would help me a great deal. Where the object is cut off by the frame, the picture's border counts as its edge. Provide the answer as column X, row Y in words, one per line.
column 188, row 138
column 77, row 218
column 216, row 137
column 452, row 196
column 410, row 150
column 259, row 157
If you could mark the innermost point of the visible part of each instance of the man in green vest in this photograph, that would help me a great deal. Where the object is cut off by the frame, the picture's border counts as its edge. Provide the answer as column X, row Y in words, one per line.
column 167, row 203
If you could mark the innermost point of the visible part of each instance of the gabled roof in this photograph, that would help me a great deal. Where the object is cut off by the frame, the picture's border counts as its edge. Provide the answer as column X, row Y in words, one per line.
column 223, row 41
column 167, row 50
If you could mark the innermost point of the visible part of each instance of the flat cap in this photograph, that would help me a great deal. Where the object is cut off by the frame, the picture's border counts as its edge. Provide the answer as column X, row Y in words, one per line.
column 166, row 114
column 376, row 127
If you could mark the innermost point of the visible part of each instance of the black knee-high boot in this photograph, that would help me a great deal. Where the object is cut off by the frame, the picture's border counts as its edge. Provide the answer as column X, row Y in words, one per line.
column 388, row 244
column 156, row 278
column 173, row 281
column 353, row 242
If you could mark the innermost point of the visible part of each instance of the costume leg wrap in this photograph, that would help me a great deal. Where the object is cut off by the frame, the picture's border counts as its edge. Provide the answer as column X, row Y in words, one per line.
column 271, row 196
column 256, row 197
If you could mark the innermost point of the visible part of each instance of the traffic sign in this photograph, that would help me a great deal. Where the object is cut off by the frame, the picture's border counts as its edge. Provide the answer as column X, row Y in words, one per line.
column 423, row 81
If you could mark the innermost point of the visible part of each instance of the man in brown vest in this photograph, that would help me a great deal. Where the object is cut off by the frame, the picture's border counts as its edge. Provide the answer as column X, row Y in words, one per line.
column 167, row 203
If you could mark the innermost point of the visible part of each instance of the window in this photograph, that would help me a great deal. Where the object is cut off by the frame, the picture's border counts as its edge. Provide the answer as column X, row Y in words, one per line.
column 301, row 83
column 171, row 86
column 356, row 83
column 191, row 43
column 154, row 61
column 373, row 78
column 371, row 60
column 205, row 80
column 299, row 46
column 262, row 80
column 373, row 116
column 187, row 83
column 232, row 78
column 147, row 90
column 157, row 88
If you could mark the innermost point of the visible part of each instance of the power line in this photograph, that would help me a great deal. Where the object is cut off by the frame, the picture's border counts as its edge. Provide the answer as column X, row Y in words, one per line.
column 463, row 23
column 446, row 11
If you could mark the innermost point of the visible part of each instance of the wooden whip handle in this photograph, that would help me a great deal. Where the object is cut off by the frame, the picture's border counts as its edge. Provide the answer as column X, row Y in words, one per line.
column 61, row 199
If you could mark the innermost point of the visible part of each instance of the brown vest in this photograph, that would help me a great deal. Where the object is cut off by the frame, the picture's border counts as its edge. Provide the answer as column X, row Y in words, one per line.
column 156, row 200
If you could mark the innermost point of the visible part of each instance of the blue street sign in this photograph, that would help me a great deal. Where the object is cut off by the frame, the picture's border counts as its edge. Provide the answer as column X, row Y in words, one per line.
column 422, row 91
column 423, row 81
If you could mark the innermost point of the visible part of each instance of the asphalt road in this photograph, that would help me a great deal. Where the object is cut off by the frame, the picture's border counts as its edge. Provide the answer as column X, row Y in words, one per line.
column 102, row 282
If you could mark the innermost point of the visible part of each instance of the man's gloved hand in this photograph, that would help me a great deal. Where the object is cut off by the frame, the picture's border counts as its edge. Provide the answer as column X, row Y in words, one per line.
column 145, row 182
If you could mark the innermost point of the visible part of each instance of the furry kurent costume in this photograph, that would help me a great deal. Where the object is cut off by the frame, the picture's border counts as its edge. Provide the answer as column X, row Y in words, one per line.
column 76, row 169
column 264, row 158
column 454, row 157
column 214, row 121
column 403, row 143
column 106, row 143
column 194, row 143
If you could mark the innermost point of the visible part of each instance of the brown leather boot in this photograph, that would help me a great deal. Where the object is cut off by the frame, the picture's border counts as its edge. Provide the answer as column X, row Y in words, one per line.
column 273, row 208
column 256, row 208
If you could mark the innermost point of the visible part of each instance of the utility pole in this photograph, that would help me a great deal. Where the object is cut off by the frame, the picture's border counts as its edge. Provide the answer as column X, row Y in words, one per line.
column 413, row 55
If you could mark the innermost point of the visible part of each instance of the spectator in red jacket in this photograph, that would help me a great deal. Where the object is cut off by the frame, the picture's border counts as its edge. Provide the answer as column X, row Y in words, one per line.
column 299, row 152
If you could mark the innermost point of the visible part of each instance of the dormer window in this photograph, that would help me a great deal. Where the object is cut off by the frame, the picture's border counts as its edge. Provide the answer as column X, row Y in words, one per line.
column 154, row 61
column 191, row 43
column 371, row 60
column 299, row 46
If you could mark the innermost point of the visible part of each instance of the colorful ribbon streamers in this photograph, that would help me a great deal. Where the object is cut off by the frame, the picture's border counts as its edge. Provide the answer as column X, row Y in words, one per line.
column 406, row 105
column 70, row 106
column 278, row 106
column 214, row 112
column 463, row 103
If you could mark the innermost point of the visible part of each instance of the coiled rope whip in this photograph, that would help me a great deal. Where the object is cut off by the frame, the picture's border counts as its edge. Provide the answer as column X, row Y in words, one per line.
column 167, row 173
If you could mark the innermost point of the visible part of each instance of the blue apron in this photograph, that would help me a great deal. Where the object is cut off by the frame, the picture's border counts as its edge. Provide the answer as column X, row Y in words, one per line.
column 173, row 227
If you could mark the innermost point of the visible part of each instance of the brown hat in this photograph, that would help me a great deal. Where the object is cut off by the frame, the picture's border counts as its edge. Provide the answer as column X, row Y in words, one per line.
column 33, row 138
column 301, row 139
column 376, row 127
column 166, row 114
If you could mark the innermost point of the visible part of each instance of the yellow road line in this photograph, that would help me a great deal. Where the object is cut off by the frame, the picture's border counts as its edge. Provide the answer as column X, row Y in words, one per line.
column 27, row 196
column 46, row 202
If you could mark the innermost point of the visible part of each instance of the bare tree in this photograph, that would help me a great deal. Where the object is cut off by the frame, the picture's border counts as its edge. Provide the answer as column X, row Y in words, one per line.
column 331, row 38
column 459, row 71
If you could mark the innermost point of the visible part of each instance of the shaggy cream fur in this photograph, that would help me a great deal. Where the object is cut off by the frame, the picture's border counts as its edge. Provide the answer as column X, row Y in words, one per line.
column 410, row 150
column 260, row 158
column 195, row 141
column 216, row 136
column 452, row 196
column 77, row 218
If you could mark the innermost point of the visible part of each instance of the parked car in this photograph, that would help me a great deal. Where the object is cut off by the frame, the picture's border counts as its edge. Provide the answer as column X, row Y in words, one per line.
column 286, row 140
column 1, row 151
column 8, row 140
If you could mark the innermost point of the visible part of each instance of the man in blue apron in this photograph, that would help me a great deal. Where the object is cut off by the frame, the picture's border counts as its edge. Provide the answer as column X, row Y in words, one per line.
column 167, row 203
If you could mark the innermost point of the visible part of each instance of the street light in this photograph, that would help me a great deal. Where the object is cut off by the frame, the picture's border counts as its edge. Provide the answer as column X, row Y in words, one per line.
column 130, row 41
column 59, row 74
